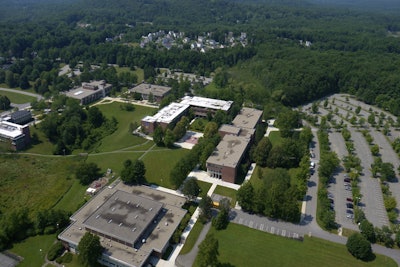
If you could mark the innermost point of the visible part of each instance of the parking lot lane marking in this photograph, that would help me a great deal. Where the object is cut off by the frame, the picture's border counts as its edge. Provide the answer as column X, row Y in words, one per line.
column 272, row 230
column 261, row 227
column 251, row 224
column 283, row 233
column 240, row 220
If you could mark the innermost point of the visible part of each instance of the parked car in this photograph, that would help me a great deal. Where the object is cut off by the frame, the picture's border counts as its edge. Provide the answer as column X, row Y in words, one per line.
column 349, row 205
column 331, row 200
column 347, row 187
column 349, row 214
column 346, row 175
column 349, row 199
column 347, row 180
column 330, row 195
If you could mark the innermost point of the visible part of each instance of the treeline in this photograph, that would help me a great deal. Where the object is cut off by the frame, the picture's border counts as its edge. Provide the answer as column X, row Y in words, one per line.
column 70, row 126
column 18, row 225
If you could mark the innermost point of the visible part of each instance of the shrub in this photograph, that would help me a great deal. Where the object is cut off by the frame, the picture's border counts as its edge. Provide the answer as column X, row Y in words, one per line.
column 66, row 258
column 359, row 246
column 55, row 251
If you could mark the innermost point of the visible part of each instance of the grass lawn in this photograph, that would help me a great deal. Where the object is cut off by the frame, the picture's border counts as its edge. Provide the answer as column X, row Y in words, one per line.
column 34, row 182
column 17, row 98
column 204, row 187
column 72, row 197
column 122, row 137
column 228, row 192
column 275, row 138
column 43, row 146
column 159, row 164
column 33, row 249
column 192, row 237
column 114, row 161
column 139, row 72
column 243, row 246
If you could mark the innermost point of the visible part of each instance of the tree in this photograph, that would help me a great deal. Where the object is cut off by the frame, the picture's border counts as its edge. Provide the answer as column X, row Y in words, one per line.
column 287, row 121
column 387, row 172
column 314, row 107
column 205, row 206
column 397, row 239
column 95, row 117
column 375, row 150
column 133, row 172
column 4, row 102
column 191, row 188
column 358, row 109
column 359, row 246
column 151, row 97
column 89, row 249
column 87, row 172
column 367, row 230
column 208, row 252
column 169, row 138
column 245, row 196
column 262, row 151
column 210, row 130
column 371, row 119
column 221, row 221
column 158, row 136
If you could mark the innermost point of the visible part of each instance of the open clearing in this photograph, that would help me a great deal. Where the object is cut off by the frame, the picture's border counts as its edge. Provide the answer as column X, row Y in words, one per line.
column 242, row 246
column 17, row 98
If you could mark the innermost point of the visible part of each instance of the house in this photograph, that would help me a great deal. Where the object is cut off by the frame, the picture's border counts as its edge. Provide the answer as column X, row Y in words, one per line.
column 134, row 224
column 14, row 136
column 158, row 91
column 90, row 92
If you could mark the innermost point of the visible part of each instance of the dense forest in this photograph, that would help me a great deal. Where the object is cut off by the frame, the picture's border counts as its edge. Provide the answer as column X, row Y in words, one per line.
column 354, row 51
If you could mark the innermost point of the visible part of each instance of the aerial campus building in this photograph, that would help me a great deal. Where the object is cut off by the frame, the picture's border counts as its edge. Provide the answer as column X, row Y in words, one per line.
column 134, row 224
column 90, row 92
column 170, row 114
column 236, row 139
column 14, row 136
column 145, row 90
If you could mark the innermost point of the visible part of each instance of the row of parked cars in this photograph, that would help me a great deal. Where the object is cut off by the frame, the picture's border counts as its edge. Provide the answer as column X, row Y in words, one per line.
column 349, row 200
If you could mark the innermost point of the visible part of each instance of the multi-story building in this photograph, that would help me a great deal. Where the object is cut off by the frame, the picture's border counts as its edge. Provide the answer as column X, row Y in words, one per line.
column 202, row 106
column 145, row 90
column 14, row 136
column 90, row 92
column 21, row 117
column 133, row 225
column 166, row 116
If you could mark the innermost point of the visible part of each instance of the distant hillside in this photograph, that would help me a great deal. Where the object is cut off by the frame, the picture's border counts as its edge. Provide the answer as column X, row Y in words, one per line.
column 382, row 5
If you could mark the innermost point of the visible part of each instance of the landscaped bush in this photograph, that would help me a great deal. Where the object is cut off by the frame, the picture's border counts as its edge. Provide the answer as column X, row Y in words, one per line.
column 359, row 246
column 66, row 258
column 55, row 251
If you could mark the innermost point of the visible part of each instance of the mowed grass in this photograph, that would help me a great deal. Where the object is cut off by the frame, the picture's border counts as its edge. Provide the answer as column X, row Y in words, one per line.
column 74, row 195
column 122, row 137
column 228, row 192
column 139, row 72
column 17, row 98
column 242, row 246
column 114, row 161
column 44, row 146
column 192, row 237
column 34, row 249
column 34, row 182
column 159, row 164
column 204, row 187
column 275, row 138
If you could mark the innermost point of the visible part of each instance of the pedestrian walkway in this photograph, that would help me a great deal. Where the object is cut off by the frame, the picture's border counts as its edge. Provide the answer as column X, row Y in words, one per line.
column 203, row 176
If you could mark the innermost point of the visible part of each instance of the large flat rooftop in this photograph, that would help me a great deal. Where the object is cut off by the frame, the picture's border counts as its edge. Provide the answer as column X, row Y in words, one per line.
column 208, row 103
column 247, row 118
column 168, row 113
column 156, row 90
column 10, row 130
column 229, row 151
column 80, row 93
column 159, row 230
column 124, row 216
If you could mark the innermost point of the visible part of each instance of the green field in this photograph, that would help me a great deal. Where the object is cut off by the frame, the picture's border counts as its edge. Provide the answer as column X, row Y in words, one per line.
column 34, row 182
column 17, row 98
column 33, row 250
column 159, row 163
column 139, row 72
column 122, row 137
column 74, row 195
column 114, row 160
column 242, row 246
column 43, row 146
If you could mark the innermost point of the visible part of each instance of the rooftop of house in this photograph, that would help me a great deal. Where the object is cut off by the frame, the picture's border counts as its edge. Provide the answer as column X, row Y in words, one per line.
column 229, row 151
column 87, row 89
column 247, row 118
column 156, row 90
column 168, row 113
column 208, row 103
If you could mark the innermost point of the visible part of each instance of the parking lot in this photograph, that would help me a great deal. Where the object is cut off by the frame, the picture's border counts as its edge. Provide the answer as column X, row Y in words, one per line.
column 266, row 225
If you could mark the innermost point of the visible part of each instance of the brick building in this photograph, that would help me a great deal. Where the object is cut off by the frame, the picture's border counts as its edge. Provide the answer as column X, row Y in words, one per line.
column 90, row 92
